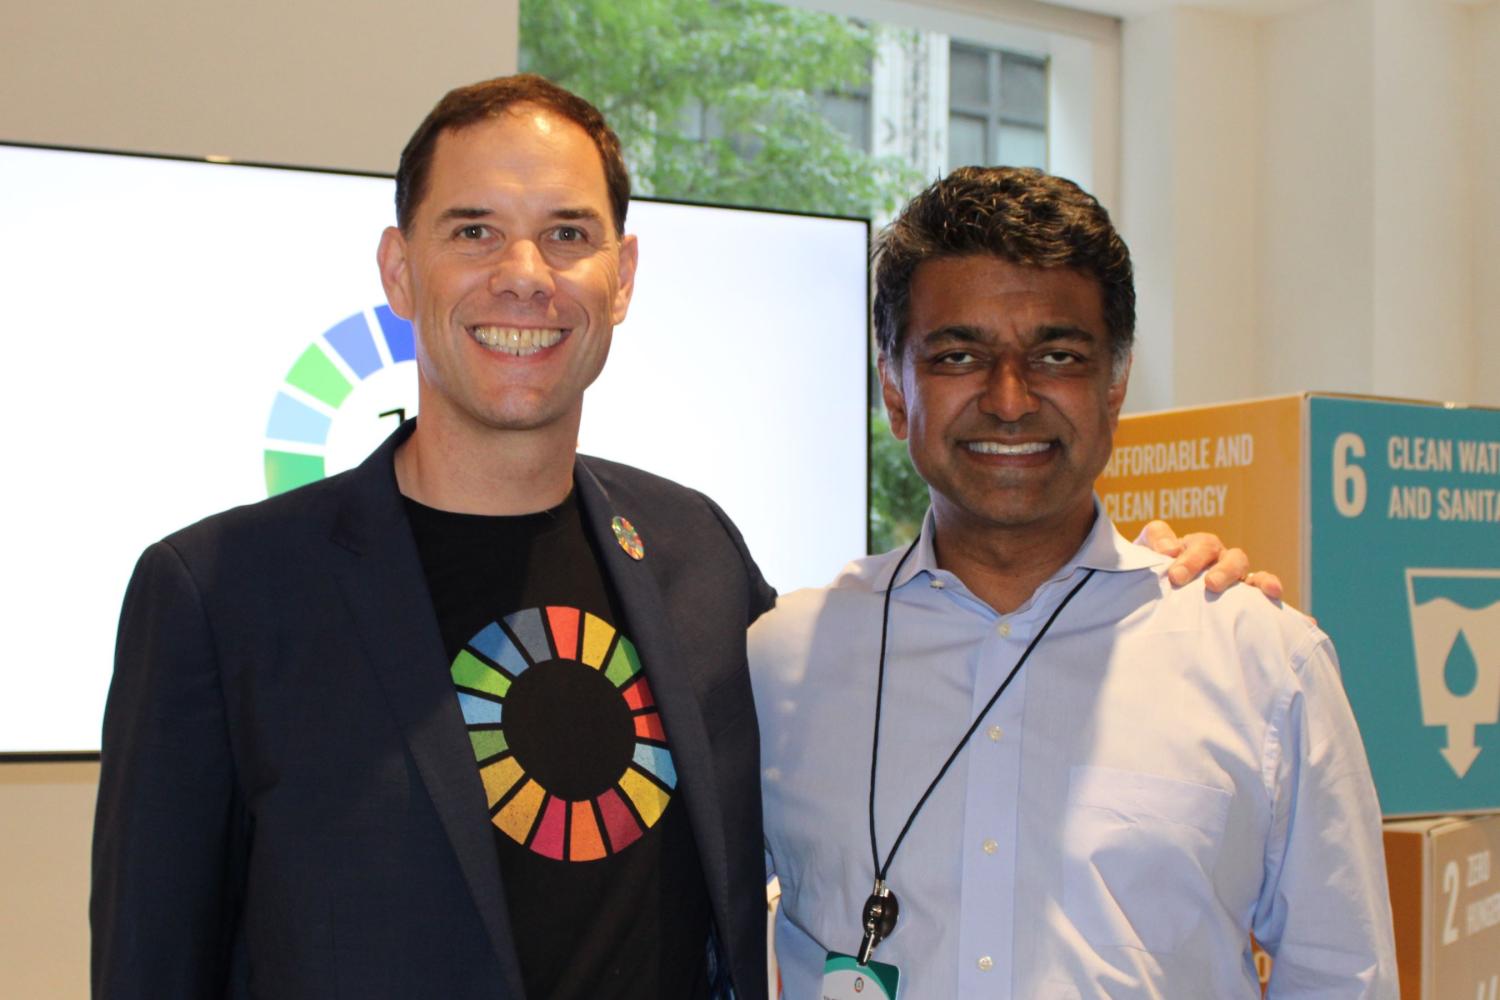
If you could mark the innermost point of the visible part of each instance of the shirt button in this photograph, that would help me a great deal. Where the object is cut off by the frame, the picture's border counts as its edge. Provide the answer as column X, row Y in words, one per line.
column 986, row 963
column 995, row 732
column 936, row 584
column 1004, row 629
column 990, row 846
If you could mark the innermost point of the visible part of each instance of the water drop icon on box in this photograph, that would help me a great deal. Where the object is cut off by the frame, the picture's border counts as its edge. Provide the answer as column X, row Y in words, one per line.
column 1455, row 625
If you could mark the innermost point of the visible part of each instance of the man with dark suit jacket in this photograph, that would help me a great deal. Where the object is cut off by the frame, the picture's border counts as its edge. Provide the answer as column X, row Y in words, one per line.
column 472, row 719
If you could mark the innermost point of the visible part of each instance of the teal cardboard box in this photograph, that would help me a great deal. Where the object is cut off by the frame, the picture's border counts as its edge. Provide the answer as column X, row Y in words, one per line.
column 1403, row 566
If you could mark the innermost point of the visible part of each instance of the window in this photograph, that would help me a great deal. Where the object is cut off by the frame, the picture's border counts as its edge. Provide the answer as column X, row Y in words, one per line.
column 849, row 113
column 997, row 108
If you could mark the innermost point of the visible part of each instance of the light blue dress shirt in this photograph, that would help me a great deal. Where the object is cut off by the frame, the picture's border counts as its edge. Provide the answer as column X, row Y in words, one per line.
column 1170, row 771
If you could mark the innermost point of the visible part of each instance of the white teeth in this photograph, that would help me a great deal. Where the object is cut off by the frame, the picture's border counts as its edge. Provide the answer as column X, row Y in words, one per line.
column 518, row 342
column 996, row 448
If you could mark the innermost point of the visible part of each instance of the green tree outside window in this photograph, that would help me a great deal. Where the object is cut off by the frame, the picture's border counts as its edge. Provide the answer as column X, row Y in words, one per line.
column 718, row 101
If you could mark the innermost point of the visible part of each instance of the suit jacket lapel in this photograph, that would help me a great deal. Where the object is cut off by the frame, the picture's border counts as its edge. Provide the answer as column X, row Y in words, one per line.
column 383, row 582
column 649, row 625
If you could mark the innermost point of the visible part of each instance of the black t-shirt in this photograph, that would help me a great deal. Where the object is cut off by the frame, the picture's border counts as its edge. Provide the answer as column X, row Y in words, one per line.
column 601, row 872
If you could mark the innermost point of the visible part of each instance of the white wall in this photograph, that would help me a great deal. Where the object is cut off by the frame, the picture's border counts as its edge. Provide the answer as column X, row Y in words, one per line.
column 1216, row 175
column 46, row 820
column 333, row 83
column 1485, row 35
column 1422, row 280
column 1310, row 191
column 1315, row 201
column 1145, row 214
column 1189, row 177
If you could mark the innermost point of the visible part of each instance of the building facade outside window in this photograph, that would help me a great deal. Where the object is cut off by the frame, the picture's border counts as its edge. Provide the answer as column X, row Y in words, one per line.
column 997, row 108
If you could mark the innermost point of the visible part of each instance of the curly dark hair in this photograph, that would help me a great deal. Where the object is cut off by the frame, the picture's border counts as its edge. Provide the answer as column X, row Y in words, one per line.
column 1018, row 214
column 477, row 102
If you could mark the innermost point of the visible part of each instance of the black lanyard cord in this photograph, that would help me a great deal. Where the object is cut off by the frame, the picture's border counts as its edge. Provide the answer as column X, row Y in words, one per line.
column 885, row 620
column 885, row 617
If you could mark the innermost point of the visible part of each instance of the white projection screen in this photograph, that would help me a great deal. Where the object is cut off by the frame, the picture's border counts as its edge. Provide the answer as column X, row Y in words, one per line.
column 184, row 333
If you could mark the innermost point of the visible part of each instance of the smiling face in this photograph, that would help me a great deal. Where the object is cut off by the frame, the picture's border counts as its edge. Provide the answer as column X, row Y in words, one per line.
column 1004, row 393
column 512, row 274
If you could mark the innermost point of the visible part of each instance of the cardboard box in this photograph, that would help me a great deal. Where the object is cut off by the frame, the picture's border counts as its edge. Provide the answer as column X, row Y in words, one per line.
column 1382, row 517
column 1445, row 895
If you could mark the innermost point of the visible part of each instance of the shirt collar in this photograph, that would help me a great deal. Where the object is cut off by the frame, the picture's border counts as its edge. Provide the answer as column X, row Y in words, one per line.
column 1104, row 549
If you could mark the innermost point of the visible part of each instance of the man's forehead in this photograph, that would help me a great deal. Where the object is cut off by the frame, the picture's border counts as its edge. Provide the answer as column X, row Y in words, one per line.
column 544, row 119
column 990, row 286
column 522, row 150
column 535, row 120
column 1002, row 268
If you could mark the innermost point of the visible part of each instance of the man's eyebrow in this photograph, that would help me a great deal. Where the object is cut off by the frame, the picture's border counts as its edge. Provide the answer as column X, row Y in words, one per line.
column 576, row 213
column 961, row 334
column 462, row 212
column 951, row 334
column 1062, row 331
column 466, row 213
column 583, row 214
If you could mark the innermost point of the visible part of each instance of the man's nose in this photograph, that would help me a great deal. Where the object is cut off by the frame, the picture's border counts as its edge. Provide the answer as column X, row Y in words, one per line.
column 522, row 271
column 1007, row 393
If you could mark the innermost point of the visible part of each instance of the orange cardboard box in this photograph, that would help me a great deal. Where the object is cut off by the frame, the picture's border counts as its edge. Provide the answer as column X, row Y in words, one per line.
column 1234, row 469
column 1445, row 895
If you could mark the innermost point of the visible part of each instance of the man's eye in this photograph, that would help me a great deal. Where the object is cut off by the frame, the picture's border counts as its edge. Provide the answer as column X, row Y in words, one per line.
column 955, row 358
column 569, row 234
column 473, row 231
column 1060, row 358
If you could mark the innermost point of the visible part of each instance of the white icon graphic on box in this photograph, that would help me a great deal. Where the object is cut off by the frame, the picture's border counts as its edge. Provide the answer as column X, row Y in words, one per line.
column 1455, row 629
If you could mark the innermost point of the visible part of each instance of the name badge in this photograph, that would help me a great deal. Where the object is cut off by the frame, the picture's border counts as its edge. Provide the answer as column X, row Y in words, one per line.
column 845, row 979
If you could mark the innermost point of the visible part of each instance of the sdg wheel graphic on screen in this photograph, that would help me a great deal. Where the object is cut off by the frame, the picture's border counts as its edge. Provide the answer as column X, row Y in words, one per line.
column 343, row 395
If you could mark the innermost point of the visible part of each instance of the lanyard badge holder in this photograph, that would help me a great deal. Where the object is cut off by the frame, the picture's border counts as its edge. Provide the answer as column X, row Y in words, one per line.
column 846, row 977
column 860, row 977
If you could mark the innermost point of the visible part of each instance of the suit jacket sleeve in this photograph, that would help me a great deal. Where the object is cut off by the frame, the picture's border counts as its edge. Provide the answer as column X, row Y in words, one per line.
column 169, row 842
column 762, row 594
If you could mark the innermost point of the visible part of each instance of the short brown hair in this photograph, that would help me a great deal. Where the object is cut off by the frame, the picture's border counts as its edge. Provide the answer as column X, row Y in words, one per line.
column 470, row 105
column 1018, row 214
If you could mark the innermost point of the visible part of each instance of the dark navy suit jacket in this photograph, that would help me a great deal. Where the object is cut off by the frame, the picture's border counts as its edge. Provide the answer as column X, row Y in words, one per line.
column 289, row 805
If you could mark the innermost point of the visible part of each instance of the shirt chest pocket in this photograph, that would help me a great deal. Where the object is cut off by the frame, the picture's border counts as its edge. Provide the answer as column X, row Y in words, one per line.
column 1138, row 853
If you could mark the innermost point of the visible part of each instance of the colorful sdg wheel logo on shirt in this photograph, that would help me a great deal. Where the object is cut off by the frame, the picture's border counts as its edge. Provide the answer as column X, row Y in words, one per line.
column 565, row 731
column 344, row 394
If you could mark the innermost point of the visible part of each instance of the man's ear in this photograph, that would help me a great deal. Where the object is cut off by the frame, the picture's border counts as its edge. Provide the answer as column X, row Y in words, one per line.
column 1116, row 395
column 629, row 253
column 890, row 391
column 395, row 272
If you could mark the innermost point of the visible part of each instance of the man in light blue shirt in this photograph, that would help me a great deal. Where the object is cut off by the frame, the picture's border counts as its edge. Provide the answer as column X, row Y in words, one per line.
column 1075, row 779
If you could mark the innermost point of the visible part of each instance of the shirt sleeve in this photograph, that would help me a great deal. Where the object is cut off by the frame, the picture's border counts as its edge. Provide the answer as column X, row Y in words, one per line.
column 169, row 830
column 1324, row 912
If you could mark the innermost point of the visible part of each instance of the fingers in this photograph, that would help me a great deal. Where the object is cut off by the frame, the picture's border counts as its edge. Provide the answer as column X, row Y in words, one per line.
column 1203, row 553
column 1267, row 583
column 1230, row 569
column 1200, row 551
column 1159, row 537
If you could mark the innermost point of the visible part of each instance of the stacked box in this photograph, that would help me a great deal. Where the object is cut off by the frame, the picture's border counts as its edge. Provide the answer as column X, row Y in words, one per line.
column 1445, row 900
column 1445, row 892
column 1383, row 519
